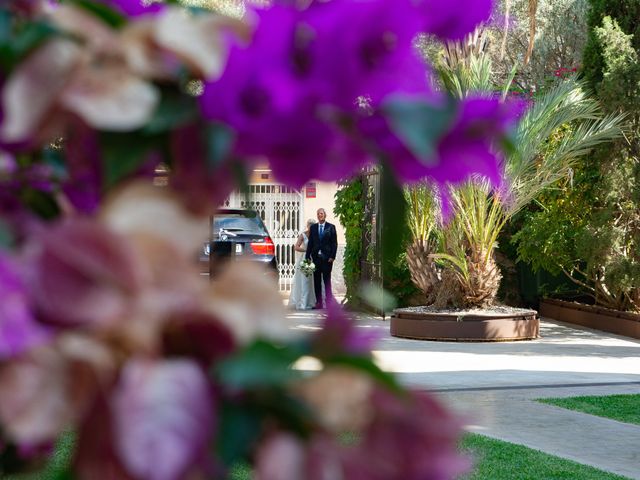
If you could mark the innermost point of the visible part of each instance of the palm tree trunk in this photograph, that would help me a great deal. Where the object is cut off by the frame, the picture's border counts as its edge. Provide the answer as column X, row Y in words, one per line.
column 424, row 273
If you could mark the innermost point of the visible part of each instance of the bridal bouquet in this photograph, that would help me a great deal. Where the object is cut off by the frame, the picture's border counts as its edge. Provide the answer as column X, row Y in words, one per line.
column 106, row 328
column 307, row 267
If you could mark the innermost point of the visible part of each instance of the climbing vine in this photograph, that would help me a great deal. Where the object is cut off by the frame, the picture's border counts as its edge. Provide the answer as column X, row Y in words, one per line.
column 349, row 208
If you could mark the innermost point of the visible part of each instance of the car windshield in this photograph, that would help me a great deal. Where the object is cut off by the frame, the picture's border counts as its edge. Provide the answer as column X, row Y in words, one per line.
column 239, row 224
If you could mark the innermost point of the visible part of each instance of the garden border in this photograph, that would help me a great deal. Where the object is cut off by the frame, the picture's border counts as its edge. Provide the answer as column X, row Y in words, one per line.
column 599, row 318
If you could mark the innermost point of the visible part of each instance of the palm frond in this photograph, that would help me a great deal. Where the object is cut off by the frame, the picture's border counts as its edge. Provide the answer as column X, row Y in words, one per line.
column 459, row 263
column 470, row 76
column 536, row 164
column 422, row 210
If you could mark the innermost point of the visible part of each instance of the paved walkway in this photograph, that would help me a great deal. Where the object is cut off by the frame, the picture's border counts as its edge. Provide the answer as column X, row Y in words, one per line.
column 493, row 385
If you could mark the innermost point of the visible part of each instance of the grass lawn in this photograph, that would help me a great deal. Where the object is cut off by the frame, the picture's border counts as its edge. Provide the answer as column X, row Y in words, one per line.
column 498, row 460
column 495, row 460
column 624, row 408
column 57, row 463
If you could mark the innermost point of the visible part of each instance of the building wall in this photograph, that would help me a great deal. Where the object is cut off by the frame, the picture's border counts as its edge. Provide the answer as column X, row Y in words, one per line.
column 324, row 199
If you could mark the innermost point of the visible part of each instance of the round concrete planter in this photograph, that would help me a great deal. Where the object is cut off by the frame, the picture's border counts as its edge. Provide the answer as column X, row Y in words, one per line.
column 476, row 326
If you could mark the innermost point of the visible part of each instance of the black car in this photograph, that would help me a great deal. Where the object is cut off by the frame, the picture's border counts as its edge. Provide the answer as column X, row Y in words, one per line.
column 238, row 234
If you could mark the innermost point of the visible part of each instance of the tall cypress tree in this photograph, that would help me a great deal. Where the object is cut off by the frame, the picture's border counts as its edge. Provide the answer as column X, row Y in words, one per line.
column 626, row 14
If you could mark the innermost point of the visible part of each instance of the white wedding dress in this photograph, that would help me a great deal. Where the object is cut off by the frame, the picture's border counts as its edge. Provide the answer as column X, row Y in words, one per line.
column 302, row 295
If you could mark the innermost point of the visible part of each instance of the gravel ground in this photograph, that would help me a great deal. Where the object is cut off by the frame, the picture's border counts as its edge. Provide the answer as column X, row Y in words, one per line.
column 493, row 310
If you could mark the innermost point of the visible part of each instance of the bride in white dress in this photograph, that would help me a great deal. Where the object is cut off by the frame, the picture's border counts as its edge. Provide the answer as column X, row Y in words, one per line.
column 302, row 295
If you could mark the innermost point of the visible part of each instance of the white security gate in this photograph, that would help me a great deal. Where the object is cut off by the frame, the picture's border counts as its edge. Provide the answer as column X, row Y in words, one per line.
column 280, row 208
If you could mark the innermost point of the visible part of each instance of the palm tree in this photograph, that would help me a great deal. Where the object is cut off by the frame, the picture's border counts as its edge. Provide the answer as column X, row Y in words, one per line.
column 422, row 216
column 561, row 126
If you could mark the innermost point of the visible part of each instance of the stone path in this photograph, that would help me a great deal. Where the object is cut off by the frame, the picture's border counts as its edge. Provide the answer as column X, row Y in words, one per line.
column 494, row 385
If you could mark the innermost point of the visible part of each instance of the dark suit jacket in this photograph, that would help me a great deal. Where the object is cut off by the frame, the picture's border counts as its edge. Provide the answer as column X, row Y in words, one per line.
column 328, row 245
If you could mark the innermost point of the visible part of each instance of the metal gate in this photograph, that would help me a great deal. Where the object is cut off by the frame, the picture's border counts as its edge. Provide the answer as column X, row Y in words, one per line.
column 280, row 208
column 371, row 260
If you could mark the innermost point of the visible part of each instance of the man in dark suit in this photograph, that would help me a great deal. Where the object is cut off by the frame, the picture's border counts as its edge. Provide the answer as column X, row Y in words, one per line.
column 322, row 248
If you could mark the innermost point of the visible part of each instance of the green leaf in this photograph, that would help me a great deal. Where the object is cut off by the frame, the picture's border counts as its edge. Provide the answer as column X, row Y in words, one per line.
column 55, row 158
column 394, row 207
column 123, row 154
column 5, row 26
column 377, row 297
column 103, row 12
column 27, row 39
column 509, row 82
column 65, row 474
column 239, row 430
column 261, row 364
column 241, row 177
column 41, row 203
column 243, row 420
column 175, row 110
column 366, row 365
column 7, row 238
column 291, row 412
column 219, row 140
column 419, row 124
column 459, row 263
column 6, row 53
column 18, row 39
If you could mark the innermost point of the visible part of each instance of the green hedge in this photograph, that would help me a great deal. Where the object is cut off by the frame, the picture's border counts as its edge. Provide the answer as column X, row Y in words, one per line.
column 349, row 208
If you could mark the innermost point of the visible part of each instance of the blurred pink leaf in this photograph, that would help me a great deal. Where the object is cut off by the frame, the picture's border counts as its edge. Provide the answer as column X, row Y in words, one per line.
column 109, row 97
column 32, row 91
column 163, row 414
column 199, row 40
column 83, row 274
column 35, row 402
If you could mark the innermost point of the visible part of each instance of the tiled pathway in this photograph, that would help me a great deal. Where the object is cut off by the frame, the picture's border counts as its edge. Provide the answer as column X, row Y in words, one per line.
column 494, row 386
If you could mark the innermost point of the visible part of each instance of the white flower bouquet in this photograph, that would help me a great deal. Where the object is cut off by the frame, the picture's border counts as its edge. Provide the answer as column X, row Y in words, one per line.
column 307, row 267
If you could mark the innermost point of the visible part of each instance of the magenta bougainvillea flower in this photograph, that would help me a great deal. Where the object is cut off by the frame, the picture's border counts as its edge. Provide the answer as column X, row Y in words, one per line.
column 134, row 8
column 269, row 94
column 306, row 92
column 361, row 46
column 19, row 331
column 452, row 20
column 471, row 144
column 339, row 333
column 83, row 185
column 303, row 78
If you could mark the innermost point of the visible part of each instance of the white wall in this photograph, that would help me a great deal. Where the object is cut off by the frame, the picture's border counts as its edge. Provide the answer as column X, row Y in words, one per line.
column 325, row 192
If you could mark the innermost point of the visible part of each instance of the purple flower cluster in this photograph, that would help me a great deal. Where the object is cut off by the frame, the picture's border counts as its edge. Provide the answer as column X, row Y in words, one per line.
column 135, row 8
column 19, row 330
column 339, row 334
column 405, row 437
column 307, row 92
